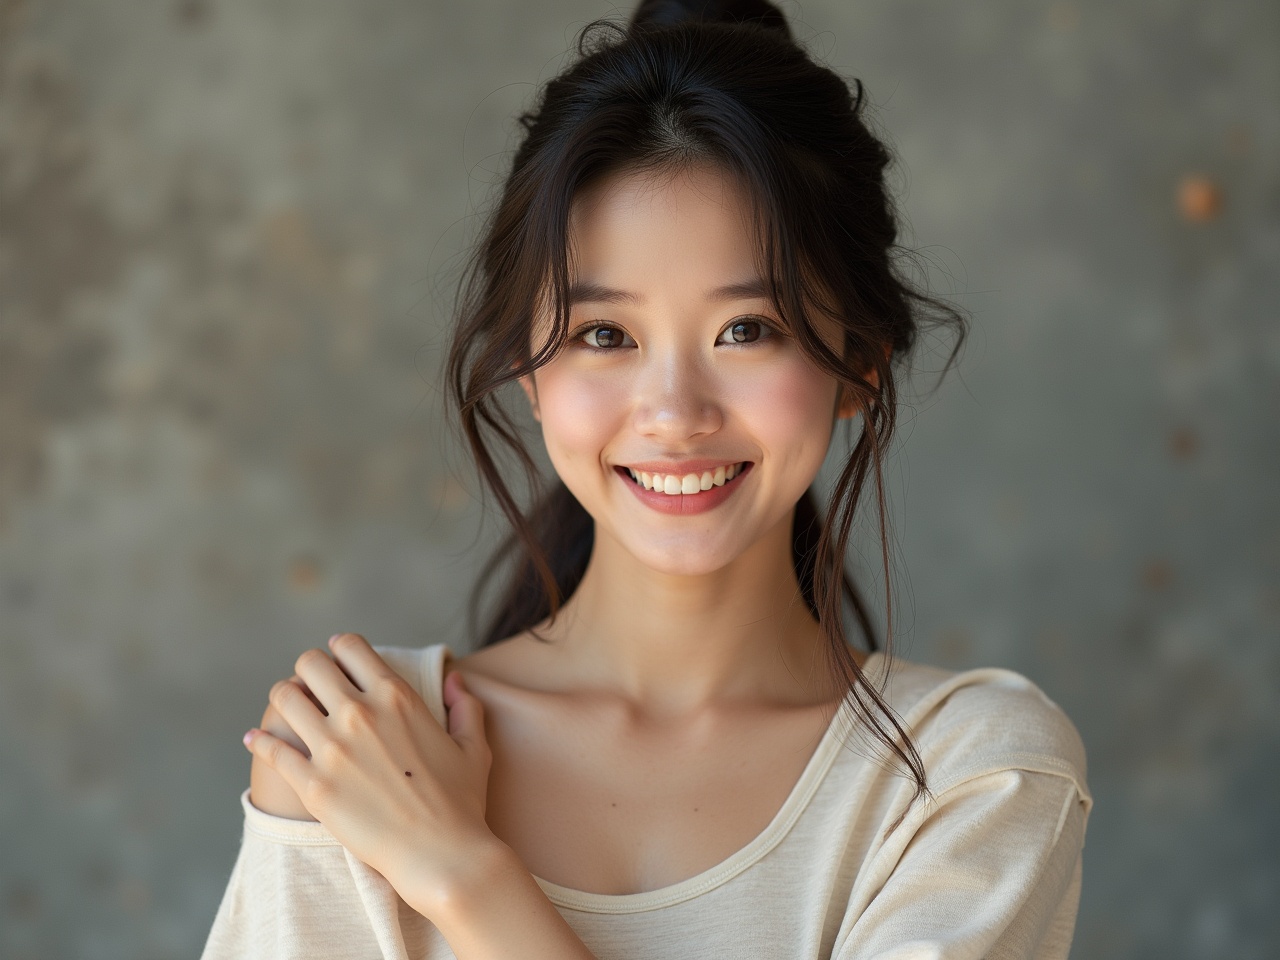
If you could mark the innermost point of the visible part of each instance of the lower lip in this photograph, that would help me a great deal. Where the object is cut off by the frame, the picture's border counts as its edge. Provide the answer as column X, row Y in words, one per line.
column 684, row 504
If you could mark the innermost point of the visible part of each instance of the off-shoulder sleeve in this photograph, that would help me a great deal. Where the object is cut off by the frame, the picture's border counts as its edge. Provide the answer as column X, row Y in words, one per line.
column 295, row 892
column 989, row 869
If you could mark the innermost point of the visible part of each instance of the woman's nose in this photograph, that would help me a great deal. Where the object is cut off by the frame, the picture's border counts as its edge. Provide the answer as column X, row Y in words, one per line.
column 675, row 400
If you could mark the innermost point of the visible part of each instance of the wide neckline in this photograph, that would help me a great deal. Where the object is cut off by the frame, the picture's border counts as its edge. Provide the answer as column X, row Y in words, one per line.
column 795, row 804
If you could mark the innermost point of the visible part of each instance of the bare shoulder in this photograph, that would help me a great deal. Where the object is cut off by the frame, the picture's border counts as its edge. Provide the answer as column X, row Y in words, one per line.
column 508, row 661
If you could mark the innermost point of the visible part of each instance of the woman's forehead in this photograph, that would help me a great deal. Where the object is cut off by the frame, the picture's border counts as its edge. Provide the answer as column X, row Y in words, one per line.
column 659, row 228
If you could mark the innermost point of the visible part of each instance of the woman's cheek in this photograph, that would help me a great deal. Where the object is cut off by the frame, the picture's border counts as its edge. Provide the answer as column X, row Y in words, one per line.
column 581, row 412
column 789, row 409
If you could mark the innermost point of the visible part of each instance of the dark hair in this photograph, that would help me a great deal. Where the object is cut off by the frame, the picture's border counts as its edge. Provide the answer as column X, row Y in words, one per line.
column 681, row 84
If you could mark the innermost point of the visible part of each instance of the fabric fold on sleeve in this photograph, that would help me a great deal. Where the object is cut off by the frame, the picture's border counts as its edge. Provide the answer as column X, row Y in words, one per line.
column 988, row 870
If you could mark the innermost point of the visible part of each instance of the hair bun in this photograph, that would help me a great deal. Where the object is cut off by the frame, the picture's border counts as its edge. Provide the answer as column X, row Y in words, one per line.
column 666, row 13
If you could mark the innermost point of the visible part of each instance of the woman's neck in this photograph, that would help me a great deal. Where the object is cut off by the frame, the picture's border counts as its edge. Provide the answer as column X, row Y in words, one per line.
column 676, row 644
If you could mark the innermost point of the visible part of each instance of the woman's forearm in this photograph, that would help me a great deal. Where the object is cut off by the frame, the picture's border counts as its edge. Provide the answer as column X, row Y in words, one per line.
column 500, row 912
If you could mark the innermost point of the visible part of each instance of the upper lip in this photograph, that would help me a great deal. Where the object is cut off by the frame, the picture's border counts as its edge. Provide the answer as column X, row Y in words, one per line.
column 679, row 467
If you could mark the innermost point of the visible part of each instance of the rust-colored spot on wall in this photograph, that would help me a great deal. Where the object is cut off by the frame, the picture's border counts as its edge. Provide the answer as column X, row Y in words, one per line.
column 1157, row 575
column 1199, row 199
column 304, row 574
column 1184, row 443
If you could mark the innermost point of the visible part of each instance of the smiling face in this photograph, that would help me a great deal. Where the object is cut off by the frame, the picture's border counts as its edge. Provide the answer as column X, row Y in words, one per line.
column 676, row 366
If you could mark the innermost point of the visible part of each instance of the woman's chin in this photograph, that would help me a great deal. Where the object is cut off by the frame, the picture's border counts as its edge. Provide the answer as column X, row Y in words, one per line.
column 685, row 559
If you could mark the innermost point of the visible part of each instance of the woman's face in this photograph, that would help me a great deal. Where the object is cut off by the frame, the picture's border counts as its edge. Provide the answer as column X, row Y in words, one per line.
column 676, row 366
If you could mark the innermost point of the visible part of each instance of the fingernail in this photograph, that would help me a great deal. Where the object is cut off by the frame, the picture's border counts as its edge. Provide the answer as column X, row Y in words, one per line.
column 247, row 737
column 333, row 638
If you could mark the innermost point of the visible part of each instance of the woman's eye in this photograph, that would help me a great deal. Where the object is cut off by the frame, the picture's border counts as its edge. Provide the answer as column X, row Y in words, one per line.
column 745, row 330
column 603, row 337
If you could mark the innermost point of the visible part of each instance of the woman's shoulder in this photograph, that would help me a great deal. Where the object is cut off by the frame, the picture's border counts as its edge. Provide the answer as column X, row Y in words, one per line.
column 508, row 665
column 967, row 723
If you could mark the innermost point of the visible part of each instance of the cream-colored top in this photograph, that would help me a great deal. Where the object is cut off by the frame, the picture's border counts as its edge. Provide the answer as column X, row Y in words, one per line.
column 990, row 868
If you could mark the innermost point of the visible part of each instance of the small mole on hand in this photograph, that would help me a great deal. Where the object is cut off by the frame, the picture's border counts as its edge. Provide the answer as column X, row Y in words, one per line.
column 408, row 774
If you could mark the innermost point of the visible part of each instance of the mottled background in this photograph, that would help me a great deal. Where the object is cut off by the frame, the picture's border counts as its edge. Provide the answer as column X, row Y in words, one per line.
column 229, row 236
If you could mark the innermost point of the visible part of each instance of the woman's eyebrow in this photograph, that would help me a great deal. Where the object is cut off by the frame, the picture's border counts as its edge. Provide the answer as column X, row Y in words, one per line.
column 585, row 292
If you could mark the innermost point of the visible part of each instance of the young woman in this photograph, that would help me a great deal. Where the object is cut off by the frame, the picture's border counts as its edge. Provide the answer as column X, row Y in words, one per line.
column 665, row 745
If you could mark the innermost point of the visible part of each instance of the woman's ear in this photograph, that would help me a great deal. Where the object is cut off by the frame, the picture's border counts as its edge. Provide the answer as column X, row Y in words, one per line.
column 531, row 391
column 847, row 404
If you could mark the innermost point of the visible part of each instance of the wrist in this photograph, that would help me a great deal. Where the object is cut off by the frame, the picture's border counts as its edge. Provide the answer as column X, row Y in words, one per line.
column 496, row 909
column 480, row 868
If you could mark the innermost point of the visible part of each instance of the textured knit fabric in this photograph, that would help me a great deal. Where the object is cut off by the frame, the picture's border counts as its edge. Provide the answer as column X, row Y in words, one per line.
column 989, row 867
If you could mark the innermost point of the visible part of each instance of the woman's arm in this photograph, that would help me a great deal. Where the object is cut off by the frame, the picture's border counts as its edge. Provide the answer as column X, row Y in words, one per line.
column 466, row 882
column 504, row 914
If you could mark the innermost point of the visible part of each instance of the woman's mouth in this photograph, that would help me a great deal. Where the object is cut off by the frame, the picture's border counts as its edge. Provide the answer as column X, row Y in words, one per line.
column 688, row 492
column 675, row 485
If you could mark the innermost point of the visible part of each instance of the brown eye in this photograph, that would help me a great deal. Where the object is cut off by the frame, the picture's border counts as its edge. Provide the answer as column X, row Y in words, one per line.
column 744, row 331
column 605, row 337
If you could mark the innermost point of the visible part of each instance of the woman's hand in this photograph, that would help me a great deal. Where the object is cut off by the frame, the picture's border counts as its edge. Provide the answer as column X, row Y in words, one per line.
column 393, row 786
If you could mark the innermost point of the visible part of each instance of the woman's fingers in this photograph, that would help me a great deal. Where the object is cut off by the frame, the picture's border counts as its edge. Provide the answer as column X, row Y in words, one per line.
column 325, row 679
column 280, row 757
column 360, row 661
column 307, row 690
column 298, row 709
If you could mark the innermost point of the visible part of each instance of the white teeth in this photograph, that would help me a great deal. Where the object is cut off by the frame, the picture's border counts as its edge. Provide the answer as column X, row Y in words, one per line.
column 688, row 484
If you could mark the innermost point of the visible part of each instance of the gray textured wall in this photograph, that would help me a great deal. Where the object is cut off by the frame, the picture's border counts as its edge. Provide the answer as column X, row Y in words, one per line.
column 228, row 234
